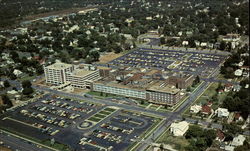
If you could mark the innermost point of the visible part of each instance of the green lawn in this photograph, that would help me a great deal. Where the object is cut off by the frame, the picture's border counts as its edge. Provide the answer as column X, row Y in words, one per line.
column 56, row 145
column 211, row 91
column 30, row 78
column 179, row 143
column 109, row 109
column 94, row 119
column 104, row 112
column 99, row 116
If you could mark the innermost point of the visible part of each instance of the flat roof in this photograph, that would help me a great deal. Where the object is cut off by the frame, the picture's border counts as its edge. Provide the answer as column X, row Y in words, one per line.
column 164, row 89
column 118, row 85
column 81, row 72
column 59, row 66
column 104, row 68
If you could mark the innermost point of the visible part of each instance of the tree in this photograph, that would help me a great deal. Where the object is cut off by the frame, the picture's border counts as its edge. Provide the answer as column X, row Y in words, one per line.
column 223, row 45
column 6, row 84
column 142, row 102
column 162, row 40
column 231, row 129
column 6, row 100
column 26, row 84
column 14, row 55
column 94, row 55
column 196, row 81
column 27, row 91
column 219, row 87
column 194, row 131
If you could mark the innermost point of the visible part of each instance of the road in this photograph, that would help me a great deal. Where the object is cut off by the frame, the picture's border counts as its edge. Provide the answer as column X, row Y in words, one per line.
column 18, row 144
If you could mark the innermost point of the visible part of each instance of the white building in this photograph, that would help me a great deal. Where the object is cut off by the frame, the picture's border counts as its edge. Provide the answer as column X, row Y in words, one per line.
column 61, row 74
column 179, row 129
column 56, row 73
column 238, row 141
column 184, row 43
column 195, row 108
column 116, row 89
column 238, row 72
column 82, row 78
column 222, row 112
column 17, row 72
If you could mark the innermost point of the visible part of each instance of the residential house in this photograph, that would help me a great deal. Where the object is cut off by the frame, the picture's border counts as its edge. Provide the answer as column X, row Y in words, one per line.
column 203, row 44
column 238, row 72
column 206, row 110
column 195, row 108
column 228, row 87
column 222, row 112
column 185, row 43
column 220, row 135
column 237, row 88
column 17, row 73
column 238, row 141
column 179, row 129
column 238, row 117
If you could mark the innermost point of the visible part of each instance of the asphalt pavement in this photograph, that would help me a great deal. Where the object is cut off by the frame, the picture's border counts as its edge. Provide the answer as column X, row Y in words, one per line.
column 15, row 143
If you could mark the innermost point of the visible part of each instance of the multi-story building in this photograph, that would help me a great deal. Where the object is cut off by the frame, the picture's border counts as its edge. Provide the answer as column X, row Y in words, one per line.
column 163, row 94
column 81, row 78
column 56, row 73
column 78, row 76
column 118, row 89
column 155, row 93
column 181, row 81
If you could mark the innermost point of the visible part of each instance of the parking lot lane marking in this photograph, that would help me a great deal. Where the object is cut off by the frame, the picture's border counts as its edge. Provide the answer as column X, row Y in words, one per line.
column 158, row 107
column 148, row 106
column 95, row 145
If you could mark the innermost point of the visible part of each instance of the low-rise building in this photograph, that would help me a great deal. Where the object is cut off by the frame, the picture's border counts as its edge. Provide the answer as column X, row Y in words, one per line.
column 238, row 72
column 17, row 72
column 179, row 129
column 220, row 135
column 195, row 108
column 222, row 112
column 206, row 110
column 238, row 141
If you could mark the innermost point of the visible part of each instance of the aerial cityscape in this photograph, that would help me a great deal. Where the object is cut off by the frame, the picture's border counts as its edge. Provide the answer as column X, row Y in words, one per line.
column 124, row 75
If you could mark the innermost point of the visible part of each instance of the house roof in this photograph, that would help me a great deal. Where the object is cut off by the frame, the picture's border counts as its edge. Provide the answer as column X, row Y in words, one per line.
column 237, row 115
column 181, row 125
column 206, row 109
column 220, row 134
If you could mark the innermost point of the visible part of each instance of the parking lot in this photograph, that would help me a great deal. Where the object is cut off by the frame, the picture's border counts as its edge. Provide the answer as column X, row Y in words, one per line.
column 118, row 132
column 192, row 62
column 64, row 120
